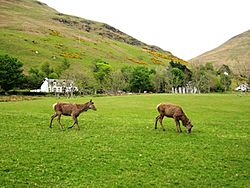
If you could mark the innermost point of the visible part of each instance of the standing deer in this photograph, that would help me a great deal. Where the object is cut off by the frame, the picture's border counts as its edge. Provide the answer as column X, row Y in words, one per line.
column 175, row 112
column 69, row 109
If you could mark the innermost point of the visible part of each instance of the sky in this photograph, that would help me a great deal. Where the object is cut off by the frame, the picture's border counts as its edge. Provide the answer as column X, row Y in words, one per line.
column 187, row 28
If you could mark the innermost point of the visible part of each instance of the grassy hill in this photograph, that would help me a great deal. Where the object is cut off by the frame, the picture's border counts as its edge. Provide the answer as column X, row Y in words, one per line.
column 36, row 33
column 235, row 53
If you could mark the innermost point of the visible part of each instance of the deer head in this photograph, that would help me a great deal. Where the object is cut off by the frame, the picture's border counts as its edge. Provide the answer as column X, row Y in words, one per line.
column 91, row 105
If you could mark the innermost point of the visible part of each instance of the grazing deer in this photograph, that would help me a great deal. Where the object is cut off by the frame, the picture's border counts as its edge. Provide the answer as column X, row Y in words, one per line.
column 175, row 112
column 69, row 109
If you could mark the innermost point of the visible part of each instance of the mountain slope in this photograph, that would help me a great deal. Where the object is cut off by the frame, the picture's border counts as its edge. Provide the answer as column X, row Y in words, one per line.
column 36, row 33
column 235, row 53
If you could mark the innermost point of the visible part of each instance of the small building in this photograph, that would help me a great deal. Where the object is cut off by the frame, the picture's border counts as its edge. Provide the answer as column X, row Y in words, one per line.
column 242, row 87
column 57, row 86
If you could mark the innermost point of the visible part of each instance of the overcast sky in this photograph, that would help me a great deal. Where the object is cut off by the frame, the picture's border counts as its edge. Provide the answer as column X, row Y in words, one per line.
column 187, row 28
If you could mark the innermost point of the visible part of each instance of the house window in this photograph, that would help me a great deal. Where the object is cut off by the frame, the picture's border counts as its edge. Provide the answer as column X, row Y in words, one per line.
column 58, row 89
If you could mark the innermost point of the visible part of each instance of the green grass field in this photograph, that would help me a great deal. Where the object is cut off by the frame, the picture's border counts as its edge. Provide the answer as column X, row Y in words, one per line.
column 118, row 146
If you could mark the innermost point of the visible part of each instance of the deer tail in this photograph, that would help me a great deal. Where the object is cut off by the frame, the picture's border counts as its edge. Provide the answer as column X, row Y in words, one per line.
column 54, row 106
column 157, row 107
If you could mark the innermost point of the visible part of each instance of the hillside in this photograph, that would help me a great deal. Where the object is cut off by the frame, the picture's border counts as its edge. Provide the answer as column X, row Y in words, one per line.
column 235, row 53
column 36, row 33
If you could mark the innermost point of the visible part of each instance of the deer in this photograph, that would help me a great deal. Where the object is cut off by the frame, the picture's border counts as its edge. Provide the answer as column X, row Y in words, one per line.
column 70, row 109
column 175, row 112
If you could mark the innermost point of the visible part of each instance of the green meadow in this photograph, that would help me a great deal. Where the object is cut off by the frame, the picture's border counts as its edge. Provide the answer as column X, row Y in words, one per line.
column 117, row 145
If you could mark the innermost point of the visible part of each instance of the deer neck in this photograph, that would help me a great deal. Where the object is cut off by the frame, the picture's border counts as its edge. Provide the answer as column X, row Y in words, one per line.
column 84, row 107
column 184, row 119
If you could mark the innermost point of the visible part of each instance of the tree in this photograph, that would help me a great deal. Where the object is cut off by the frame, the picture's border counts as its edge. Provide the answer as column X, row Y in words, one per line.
column 35, row 78
column 180, row 75
column 160, row 80
column 117, row 81
column 51, row 73
column 11, row 73
column 84, row 80
column 224, row 69
column 140, row 79
column 102, row 72
column 200, row 79
column 126, row 72
column 177, row 77
column 209, row 66
column 45, row 67
column 206, row 79
column 225, row 80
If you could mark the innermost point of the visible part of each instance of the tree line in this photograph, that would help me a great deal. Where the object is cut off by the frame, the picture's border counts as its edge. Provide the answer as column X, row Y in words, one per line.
column 103, row 78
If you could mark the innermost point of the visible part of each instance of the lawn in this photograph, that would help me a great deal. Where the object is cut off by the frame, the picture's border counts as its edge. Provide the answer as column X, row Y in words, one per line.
column 117, row 145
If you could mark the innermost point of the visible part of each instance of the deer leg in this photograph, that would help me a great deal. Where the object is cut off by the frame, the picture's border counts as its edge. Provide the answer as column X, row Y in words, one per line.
column 156, row 120
column 59, row 120
column 180, row 127
column 160, row 119
column 177, row 123
column 75, row 122
column 51, row 120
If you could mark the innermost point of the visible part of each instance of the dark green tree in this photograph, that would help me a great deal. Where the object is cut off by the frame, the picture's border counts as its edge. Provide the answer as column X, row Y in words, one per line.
column 187, row 73
column 177, row 77
column 45, row 67
column 224, row 69
column 140, row 79
column 11, row 73
column 35, row 78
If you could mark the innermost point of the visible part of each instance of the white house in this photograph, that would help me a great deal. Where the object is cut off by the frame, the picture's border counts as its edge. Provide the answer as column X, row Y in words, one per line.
column 242, row 87
column 57, row 86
